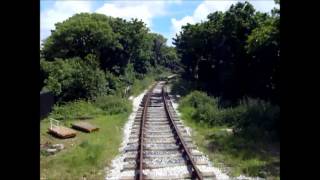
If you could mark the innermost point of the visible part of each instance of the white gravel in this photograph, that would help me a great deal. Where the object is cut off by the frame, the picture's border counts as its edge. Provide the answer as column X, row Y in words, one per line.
column 115, row 171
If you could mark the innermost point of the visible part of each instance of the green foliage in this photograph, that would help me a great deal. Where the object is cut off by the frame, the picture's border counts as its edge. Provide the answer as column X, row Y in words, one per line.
column 113, row 104
column 238, row 153
column 235, row 53
column 129, row 75
column 251, row 117
column 115, row 42
column 246, row 146
column 93, row 151
column 141, row 84
column 74, row 78
column 182, row 87
column 80, row 35
column 91, row 55
column 86, row 155
column 75, row 110
column 258, row 118
column 263, row 45
column 197, row 98
column 206, row 109
column 113, row 83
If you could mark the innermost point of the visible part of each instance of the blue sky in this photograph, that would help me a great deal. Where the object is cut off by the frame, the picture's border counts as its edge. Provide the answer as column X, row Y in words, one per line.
column 161, row 16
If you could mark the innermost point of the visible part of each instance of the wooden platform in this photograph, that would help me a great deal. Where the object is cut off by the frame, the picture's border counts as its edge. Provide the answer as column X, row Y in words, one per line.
column 62, row 132
column 84, row 126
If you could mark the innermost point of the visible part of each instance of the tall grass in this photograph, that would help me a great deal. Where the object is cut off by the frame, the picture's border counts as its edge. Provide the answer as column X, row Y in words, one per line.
column 86, row 155
column 113, row 104
column 74, row 110
column 251, row 148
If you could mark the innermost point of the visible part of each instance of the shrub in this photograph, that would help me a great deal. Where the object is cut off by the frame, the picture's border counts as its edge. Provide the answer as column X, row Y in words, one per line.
column 74, row 78
column 197, row 98
column 113, row 83
column 206, row 113
column 206, row 108
column 113, row 104
column 257, row 116
column 252, row 116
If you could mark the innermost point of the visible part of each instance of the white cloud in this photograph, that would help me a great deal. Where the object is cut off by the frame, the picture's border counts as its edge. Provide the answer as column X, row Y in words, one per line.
column 60, row 11
column 177, row 24
column 143, row 10
column 207, row 7
column 264, row 6
column 199, row 14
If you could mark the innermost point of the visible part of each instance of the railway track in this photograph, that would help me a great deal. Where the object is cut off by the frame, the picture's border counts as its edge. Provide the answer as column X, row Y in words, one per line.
column 159, row 146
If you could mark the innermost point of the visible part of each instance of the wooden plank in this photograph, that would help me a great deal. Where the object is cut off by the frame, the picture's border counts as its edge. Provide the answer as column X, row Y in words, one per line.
column 84, row 126
column 62, row 132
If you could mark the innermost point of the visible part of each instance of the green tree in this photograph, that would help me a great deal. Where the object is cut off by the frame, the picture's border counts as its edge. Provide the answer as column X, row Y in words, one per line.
column 80, row 35
column 219, row 53
column 263, row 45
column 74, row 78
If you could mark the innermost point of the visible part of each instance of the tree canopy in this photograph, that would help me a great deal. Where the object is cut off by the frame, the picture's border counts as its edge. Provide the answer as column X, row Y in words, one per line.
column 115, row 41
column 92, row 44
column 234, row 54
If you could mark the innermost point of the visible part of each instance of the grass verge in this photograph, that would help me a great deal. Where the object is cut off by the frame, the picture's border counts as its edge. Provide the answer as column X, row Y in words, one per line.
column 216, row 132
column 234, row 154
column 86, row 155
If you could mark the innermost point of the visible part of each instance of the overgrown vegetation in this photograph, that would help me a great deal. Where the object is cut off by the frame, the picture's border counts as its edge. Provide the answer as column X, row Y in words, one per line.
column 230, row 65
column 234, row 57
column 251, row 117
column 234, row 53
column 92, row 63
column 92, row 55
column 237, row 139
column 234, row 154
column 113, row 104
column 75, row 110
column 86, row 155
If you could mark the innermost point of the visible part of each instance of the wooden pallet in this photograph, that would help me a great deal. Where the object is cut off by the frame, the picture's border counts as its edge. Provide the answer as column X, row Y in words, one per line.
column 84, row 126
column 62, row 132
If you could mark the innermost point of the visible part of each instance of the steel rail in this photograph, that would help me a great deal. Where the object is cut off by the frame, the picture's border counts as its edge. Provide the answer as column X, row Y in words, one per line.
column 185, row 151
column 141, row 136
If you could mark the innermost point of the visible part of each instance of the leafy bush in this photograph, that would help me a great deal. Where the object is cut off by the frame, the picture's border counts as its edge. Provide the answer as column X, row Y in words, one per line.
column 197, row 98
column 257, row 116
column 252, row 116
column 74, row 110
column 206, row 113
column 113, row 104
column 182, row 87
column 113, row 83
column 206, row 108
column 74, row 78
